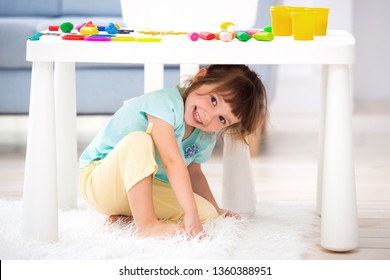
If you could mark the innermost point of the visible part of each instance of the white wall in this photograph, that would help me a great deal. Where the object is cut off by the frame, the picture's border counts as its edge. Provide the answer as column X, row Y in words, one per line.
column 297, row 87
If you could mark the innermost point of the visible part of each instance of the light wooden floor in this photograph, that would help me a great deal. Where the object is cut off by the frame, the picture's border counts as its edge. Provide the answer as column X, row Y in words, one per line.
column 285, row 169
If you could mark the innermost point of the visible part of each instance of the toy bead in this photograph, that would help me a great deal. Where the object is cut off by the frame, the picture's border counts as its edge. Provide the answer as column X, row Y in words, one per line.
column 253, row 31
column 226, row 36
column 66, row 27
column 97, row 38
column 148, row 39
column 267, row 28
column 243, row 36
column 73, row 37
column 79, row 26
column 53, row 27
column 263, row 36
column 206, row 36
column 193, row 36
column 89, row 29
column 111, row 29
column 123, row 39
column 231, row 28
column 224, row 25
column 35, row 37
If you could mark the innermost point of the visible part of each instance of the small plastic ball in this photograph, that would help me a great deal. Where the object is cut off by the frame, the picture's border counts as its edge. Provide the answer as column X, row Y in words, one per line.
column 231, row 28
column 267, row 28
column 224, row 25
column 66, row 27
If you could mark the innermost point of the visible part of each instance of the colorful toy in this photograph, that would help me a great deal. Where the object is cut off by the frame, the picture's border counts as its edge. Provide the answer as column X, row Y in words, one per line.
column 253, row 31
column 125, row 31
column 267, row 28
column 226, row 36
column 97, row 38
column 263, row 36
column 73, row 37
column 226, row 24
column 206, row 36
column 123, row 39
column 35, row 37
column 148, row 39
column 111, row 29
column 53, row 27
column 89, row 29
column 66, row 27
column 243, row 36
column 193, row 36
column 79, row 26
column 231, row 28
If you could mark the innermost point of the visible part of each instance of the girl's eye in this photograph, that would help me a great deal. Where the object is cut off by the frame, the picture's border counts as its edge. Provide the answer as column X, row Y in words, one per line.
column 222, row 120
column 213, row 101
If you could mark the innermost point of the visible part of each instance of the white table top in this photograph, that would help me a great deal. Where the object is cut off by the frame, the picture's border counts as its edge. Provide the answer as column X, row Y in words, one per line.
column 338, row 47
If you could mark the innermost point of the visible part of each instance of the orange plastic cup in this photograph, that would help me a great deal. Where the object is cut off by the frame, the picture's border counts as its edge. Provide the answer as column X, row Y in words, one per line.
column 303, row 24
column 321, row 21
column 281, row 20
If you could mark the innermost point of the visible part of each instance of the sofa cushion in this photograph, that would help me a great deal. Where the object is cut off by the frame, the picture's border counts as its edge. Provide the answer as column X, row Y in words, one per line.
column 30, row 8
column 14, row 33
column 91, row 8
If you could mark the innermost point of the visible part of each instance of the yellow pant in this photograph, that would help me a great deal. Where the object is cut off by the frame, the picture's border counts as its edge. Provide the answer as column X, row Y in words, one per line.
column 104, row 184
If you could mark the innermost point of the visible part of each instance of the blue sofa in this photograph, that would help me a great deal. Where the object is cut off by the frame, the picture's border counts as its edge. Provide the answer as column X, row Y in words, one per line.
column 20, row 19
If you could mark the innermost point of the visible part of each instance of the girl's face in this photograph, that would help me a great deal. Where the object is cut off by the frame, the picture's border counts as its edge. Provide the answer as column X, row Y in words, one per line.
column 207, row 111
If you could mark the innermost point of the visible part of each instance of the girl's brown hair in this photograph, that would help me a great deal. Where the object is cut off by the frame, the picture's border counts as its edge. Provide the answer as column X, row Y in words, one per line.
column 243, row 89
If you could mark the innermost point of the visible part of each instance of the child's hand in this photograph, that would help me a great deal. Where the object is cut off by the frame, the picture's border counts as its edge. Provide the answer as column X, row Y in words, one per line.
column 227, row 213
column 193, row 226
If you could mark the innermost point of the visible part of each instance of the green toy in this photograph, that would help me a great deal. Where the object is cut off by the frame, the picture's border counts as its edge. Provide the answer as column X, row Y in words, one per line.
column 66, row 27
column 263, row 36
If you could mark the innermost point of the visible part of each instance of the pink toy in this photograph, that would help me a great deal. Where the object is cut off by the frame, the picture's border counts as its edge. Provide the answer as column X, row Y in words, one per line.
column 225, row 36
column 97, row 38
column 207, row 36
column 193, row 36
column 253, row 31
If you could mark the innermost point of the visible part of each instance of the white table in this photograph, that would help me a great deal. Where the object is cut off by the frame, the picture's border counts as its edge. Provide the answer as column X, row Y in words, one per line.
column 52, row 122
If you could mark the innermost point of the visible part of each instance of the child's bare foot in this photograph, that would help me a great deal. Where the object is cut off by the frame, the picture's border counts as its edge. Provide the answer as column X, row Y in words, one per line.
column 121, row 219
column 160, row 229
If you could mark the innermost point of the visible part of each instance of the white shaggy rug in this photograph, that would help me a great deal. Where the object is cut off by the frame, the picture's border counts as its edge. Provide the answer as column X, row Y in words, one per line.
column 277, row 231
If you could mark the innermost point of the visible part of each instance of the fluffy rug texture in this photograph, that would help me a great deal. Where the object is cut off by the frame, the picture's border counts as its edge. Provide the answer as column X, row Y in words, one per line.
column 277, row 231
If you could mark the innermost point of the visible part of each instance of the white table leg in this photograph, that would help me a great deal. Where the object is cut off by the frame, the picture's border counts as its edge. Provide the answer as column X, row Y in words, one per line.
column 153, row 76
column 320, row 166
column 66, row 134
column 40, row 210
column 238, row 192
column 339, row 225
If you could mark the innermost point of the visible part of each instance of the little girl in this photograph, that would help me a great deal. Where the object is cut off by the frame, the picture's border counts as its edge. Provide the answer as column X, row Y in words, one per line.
column 145, row 164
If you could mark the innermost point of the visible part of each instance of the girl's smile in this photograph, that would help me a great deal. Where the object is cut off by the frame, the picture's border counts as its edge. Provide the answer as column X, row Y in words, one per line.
column 207, row 111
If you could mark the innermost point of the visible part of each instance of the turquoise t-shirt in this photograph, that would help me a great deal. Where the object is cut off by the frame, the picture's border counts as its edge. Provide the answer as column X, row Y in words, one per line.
column 165, row 104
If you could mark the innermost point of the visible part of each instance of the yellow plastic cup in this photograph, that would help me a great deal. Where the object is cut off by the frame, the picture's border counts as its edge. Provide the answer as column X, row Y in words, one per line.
column 281, row 20
column 321, row 21
column 303, row 24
